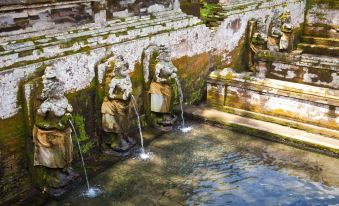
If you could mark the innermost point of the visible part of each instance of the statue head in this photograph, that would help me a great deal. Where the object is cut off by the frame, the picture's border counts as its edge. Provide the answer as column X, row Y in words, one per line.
column 121, row 66
column 286, row 17
column 164, row 54
column 53, row 87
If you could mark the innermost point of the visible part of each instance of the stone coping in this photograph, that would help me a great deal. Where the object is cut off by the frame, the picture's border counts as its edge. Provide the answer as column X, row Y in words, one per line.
column 289, row 89
column 60, row 44
column 279, row 120
column 267, row 130
column 246, row 6
column 303, row 60
column 5, row 8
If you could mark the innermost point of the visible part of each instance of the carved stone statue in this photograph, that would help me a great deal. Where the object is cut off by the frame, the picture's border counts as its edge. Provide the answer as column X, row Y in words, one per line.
column 286, row 31
column 51, row 133
column 280, row 33
column 161, row 88
column 274, row 34
column 115, row 108
column 258, row 40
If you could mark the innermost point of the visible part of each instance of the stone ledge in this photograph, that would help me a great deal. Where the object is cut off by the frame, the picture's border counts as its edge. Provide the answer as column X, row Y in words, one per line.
column 281, row 121
column 80, row 42
column 41, row 5
column 267, row 130
column 277, row 87
column 303, row 103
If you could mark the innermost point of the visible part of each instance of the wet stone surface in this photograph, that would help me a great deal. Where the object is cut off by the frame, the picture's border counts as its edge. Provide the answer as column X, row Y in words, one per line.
column 214, row 166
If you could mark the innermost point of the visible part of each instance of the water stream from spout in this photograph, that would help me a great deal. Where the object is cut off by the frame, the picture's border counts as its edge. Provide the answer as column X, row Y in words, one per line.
column 181, row 99
column 91, row 192
column 143, row 155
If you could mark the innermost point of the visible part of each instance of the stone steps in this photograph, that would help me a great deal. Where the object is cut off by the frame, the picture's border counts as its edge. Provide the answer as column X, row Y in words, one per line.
column 321, row 31
column 289, row 100
column 65, row 43
column 115, row 25
column 320, row 40
column 319, row 49
column 267, row 130
column 240, row 7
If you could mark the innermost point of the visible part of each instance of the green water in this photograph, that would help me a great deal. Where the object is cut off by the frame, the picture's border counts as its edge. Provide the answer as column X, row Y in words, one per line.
column 215, row 166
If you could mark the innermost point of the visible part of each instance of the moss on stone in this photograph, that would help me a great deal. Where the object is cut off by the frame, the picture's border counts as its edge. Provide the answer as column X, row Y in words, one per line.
column 86, row 143
column 193, row 72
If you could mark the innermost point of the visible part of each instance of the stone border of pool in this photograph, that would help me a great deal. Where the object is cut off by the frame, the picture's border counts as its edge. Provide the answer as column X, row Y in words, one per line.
column 267, row 130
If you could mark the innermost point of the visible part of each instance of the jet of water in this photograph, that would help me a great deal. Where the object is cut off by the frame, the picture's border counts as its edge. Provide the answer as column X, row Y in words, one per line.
column 91, row 192
column 181, row 99
column 82, row 158
column 143, row 154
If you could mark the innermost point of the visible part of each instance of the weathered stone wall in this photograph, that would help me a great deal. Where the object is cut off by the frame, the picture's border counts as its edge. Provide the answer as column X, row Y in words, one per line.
column 299, row 68
column 322, row 18
column 315, row 105
column 75, row 52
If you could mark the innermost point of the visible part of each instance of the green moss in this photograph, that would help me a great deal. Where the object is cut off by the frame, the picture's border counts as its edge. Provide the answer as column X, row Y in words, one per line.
column 85, row 141
column 34, row 38
column 25, row 53
column 152, row 17
column 130, row 28
column 121, row 33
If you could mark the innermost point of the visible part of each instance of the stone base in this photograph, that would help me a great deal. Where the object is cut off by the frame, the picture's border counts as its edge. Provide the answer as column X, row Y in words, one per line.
column 302, row 103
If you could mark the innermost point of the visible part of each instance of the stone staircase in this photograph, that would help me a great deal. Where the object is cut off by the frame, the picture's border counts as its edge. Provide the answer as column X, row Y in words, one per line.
column 319, row 45
column 16, row 51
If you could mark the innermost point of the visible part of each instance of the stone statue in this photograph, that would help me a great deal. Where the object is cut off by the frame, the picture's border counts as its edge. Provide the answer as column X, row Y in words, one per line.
column 274, row 34
column 286, row 31
column 258, row 40
column 161, row 89
column 280, row 33
column 51, row 133
column 115, row 108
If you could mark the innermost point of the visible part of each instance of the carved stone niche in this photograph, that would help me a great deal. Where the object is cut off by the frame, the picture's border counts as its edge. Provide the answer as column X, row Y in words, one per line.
column 48, row 135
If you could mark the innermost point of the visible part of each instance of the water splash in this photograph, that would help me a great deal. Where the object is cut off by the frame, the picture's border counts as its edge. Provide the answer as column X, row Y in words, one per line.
column 181, row 99
column 91, row 192
column 143, row 155
column 186, row 129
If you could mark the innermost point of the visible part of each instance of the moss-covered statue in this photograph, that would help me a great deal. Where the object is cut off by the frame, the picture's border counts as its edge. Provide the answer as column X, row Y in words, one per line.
column 285, row 43
column 115, row 108
column 274, row 34
column 257, row 40
column 51, row 133
column 280, row 33
column 161, row 89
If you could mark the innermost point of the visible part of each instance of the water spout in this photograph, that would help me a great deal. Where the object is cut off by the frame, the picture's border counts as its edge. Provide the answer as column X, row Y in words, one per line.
column 91, row 192
column 143, row 155
column 181, row 99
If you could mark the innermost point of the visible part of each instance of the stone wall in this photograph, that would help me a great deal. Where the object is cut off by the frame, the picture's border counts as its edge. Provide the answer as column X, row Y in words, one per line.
column 303, row 103
column 299, row 68
column 76, row 51
column 322, row 18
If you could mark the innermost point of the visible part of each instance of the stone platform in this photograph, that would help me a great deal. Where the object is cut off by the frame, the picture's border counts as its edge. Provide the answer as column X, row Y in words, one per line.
column 267, row 130
column 299, row 102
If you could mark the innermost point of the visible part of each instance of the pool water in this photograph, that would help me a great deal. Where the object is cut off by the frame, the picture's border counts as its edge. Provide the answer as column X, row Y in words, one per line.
column 216, row 166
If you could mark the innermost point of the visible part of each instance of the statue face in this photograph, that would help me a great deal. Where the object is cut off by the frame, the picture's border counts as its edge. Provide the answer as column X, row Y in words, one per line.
column 165, row 56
